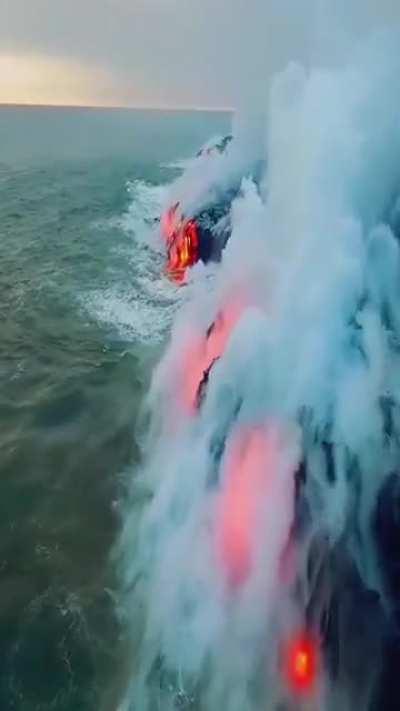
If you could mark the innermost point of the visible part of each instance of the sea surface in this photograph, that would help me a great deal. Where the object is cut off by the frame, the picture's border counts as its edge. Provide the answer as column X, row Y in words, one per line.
column 85, row 310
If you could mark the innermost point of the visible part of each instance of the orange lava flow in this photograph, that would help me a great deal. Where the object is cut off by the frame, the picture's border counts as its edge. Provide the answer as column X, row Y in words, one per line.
column 203, row 351
column 249, row 466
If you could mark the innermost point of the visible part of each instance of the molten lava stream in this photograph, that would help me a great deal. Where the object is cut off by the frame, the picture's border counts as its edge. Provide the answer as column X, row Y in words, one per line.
column 301, row 664
column 170, row 222
column 248, row 469
column 203, row 351
column 183, row 251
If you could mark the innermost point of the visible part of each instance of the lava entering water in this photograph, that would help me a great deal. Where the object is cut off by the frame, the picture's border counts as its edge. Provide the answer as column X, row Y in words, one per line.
column 290, row 412
column 182, row 240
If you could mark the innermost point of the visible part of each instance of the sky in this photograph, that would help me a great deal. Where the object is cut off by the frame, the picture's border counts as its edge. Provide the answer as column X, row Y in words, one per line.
column 173, row 53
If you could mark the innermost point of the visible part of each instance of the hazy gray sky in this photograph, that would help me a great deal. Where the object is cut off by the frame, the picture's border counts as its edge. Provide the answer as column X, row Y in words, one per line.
column 161, row 52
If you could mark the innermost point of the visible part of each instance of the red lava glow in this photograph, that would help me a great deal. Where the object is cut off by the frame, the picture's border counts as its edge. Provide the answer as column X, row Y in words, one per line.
column 182, row 240
column 301, row 663
column 202, row 352
column 170, row 221
column 249, row 465
column 183, row 251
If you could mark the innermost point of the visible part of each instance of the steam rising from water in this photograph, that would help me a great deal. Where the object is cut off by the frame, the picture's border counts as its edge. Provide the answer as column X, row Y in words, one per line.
column 258, row 522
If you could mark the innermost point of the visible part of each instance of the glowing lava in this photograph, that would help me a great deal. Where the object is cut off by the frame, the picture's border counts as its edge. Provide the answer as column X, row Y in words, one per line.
column 250, row 463
column 301, row 663
column 183, row 250
column 202, row 352
column 182, row 240
column 170, row 222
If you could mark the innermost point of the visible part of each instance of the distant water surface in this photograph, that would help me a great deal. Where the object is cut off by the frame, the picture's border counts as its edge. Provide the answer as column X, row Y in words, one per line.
column 84, row 309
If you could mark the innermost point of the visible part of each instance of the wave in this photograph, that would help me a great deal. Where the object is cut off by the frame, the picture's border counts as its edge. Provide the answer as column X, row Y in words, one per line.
column 138, row 300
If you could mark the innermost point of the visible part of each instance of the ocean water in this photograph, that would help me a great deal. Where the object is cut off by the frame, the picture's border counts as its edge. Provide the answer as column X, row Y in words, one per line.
column 84, row 310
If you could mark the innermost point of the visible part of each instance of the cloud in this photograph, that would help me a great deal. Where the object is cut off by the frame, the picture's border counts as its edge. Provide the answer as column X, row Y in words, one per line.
column 182, row 51
column 30, row 79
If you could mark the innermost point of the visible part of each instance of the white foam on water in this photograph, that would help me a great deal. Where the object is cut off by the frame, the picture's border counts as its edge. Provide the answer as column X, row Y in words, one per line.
column 142, row 306
column 134, row 319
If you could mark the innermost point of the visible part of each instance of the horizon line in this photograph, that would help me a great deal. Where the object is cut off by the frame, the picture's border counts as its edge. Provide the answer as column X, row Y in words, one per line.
column 117, row 107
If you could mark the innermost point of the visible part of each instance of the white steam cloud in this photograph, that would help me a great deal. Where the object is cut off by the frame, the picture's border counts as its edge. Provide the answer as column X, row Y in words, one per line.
column 310, row 366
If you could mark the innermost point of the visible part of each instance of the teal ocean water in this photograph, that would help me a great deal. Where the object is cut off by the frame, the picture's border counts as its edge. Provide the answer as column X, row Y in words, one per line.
column 84, row 310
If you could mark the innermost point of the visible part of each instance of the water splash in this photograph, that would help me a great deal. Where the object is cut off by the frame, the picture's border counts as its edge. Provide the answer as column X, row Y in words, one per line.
column 138, row 302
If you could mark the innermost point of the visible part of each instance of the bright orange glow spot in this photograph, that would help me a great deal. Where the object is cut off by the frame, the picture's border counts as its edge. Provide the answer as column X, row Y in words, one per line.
column 182, row 239
column 301, row 662
column 250, row 463
column 183, row 251
column 202, row 352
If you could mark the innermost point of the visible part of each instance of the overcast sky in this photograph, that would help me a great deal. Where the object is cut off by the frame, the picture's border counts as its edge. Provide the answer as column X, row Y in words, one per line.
column 212, row 53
